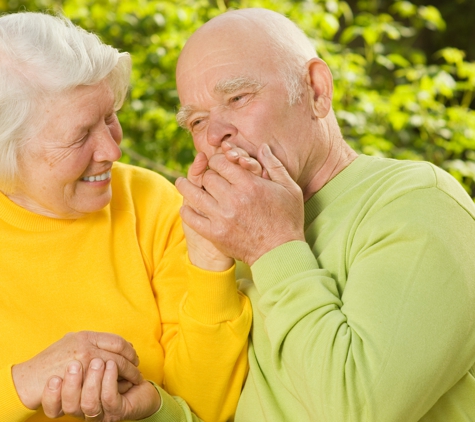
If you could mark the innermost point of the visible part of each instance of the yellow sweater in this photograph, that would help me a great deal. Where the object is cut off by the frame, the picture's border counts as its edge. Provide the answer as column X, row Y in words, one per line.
column 122, row 270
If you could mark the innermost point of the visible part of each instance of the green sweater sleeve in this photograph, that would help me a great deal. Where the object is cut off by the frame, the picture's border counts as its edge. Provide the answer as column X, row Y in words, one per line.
column 396, row 331
column 172, row 409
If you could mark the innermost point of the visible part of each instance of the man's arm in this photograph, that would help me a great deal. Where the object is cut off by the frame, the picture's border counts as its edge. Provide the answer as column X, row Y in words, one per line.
column 400, row 334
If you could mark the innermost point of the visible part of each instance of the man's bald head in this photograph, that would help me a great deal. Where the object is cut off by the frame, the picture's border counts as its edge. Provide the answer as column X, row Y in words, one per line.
column 252, row 32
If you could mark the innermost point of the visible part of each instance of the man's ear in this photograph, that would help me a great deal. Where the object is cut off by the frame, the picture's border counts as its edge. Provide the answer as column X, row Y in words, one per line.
column 320, row 84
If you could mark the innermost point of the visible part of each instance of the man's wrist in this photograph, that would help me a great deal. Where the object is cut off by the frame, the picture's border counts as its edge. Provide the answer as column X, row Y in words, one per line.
column 252, row 258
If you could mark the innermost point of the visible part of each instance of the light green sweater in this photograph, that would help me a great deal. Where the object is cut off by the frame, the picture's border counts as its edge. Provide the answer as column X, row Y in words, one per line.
column 373, row 318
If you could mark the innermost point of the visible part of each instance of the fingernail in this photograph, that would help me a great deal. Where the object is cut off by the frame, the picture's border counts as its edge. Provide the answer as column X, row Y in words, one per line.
column 73, row 368
column 266, row 150
column 233, row 153
column 96, row 364
column 53, row 383
column 110, row 364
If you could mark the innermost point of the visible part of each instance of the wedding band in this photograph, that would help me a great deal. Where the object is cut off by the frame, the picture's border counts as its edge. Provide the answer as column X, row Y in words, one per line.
column 93, row 416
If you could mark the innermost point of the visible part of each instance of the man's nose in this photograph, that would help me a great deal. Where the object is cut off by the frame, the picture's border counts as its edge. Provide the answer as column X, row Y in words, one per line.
column 219, row 129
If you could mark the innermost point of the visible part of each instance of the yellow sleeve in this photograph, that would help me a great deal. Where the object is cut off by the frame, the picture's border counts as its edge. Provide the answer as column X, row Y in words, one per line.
column 204, row 320
column 205, row 326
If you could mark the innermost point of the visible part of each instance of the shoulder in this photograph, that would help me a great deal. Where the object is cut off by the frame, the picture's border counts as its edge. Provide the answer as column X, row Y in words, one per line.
column 138, row 188
column 396, row 178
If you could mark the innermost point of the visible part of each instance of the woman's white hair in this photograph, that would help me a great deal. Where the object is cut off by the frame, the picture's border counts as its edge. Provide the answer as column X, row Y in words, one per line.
column 43, row 55
column 289, row 42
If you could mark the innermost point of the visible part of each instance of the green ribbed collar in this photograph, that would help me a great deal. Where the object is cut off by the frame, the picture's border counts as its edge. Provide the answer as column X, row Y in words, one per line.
column 326, row 195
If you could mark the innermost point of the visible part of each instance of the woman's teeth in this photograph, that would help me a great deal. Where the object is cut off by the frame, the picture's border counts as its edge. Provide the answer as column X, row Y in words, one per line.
column 98, row 178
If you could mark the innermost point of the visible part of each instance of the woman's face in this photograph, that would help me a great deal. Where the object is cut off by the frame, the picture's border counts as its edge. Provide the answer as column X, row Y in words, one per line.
column 65, row 169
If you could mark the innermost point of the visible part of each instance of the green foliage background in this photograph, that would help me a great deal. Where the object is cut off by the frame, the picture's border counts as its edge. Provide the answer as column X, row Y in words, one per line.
column 404, row 72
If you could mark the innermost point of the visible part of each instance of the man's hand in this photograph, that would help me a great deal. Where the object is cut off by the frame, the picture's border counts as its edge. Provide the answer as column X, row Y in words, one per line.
column 237, row 155
column 243, row 214
column 201, row 251
column 31, row 376
column 97, row 395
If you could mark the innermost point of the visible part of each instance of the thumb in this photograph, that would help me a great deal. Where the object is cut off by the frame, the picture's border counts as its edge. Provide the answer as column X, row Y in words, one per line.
column 197, row 169
column 273, row 167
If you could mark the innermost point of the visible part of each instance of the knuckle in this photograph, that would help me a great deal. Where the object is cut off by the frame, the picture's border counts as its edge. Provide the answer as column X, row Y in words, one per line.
column 121, row 362
column 220, row 233
column 108, row 399
column 71, row 410
column 83, row 335
column 88, row 406
column 229, row 213
column 200, row 200
column 112, row 418
column 216, row 159
column 208, row 176
column 252, row 189
column 83, row 354
column 244, row 204
column 50, row 414
column 117, row 342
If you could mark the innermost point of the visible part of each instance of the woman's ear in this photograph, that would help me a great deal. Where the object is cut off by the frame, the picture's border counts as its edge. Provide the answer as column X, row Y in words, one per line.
column 320, row 84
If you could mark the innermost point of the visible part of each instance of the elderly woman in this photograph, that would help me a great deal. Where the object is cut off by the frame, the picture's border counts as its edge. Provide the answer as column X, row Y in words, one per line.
column 93, row 258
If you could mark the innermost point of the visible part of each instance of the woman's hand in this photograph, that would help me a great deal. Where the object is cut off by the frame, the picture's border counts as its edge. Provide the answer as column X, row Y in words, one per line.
column 97, row 395
column 202, row 252
column 30, row 377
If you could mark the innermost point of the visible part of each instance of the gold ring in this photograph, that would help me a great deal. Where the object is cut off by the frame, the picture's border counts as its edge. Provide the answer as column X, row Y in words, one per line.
column 93, row 416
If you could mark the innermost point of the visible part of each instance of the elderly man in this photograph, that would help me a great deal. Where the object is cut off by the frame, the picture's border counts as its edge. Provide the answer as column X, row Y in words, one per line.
column 363, row 283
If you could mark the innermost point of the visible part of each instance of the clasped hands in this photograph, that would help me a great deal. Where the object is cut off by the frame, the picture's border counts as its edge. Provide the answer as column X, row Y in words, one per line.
column 87, row 374
column 243, row 206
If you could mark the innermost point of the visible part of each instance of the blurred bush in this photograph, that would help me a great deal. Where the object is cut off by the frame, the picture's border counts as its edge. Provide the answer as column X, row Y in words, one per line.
column 394, row 96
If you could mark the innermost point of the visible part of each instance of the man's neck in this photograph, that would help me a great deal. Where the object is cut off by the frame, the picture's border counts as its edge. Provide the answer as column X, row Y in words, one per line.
column 338, row 158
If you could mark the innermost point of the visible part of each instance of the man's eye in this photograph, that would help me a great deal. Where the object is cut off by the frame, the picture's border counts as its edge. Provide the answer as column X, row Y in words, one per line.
column 240, row 100
column 195, row 123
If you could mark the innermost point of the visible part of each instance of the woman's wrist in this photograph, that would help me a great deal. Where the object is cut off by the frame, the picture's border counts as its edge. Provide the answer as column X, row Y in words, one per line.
column 158, row 404
column 22, row 383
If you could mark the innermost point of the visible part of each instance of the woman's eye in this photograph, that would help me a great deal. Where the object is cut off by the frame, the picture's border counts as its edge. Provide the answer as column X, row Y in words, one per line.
column 110, row 119
column 237, row 98
column 79, row 142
